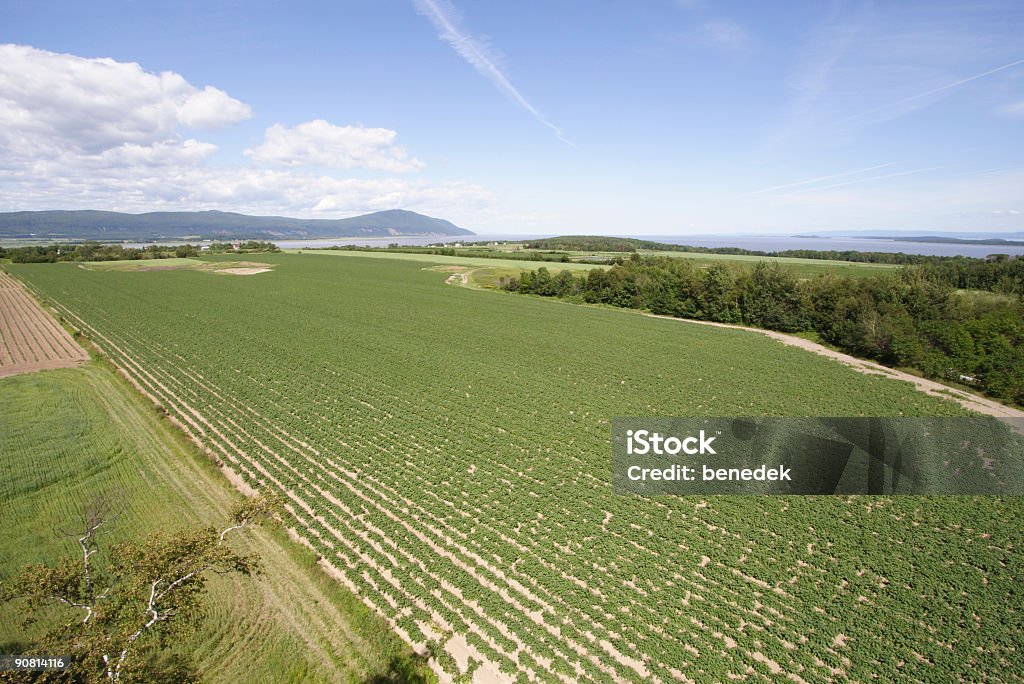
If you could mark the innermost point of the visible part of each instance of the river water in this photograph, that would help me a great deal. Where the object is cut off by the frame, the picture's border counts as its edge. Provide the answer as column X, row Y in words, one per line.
column 764, row 243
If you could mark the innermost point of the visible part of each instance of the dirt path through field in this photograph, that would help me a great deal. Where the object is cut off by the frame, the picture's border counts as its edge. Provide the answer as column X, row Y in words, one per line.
column 969, row 401
column 460, row 278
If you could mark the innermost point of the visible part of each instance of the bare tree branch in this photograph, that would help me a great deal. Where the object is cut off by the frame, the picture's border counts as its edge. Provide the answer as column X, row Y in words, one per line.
column 140, row 587
column 100, row 511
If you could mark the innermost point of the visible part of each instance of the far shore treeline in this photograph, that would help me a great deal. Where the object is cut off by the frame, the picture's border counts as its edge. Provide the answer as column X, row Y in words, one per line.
column 629, row 245
column 959, row 320
column 95, row 251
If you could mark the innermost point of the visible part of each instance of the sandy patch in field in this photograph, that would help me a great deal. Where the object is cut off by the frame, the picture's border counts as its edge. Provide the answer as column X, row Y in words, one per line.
column 239, row 267
column 459, row 274
column 149, row 265
column 457, row 278
column 144, row 269
column 243, row 271
column 7, row 371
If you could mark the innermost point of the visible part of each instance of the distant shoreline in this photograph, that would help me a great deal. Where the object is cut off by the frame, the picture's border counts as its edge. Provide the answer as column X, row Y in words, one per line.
column 939, row 239
column 767, row 243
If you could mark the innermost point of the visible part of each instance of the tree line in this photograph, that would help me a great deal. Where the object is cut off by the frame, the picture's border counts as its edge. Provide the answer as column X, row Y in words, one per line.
column 96, row 251
column 914, row 317
column 559, row 257
column 598, row 243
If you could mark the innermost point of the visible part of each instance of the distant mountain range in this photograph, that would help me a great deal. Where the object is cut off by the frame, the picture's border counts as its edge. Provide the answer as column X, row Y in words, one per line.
column 917, row 236
column 164, row 225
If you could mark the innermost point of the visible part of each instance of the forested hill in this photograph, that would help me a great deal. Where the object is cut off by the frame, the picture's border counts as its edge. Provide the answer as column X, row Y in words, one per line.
column 111, row 225
column 599, row 243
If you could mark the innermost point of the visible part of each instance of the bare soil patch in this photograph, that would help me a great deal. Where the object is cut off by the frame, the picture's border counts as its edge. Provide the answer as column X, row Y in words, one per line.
column 237, row 267
column 243, row 271
column 161, row 268
column 457, row 278
column 30, row 339
column 147, row 265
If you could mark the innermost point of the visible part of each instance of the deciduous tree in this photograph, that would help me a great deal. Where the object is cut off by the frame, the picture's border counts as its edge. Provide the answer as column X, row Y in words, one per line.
column 116, row 609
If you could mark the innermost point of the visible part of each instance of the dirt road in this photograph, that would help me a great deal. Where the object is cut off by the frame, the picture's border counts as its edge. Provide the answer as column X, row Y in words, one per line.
column 969, row 401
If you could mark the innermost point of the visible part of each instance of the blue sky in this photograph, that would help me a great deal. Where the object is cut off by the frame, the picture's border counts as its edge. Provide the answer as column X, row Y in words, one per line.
column 651, row 117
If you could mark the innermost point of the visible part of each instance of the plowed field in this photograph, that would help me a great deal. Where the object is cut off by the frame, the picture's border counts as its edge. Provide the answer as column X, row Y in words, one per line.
column 30, row 340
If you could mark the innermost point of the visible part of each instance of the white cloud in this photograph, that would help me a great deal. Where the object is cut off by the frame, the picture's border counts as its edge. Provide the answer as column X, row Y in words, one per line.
column 211, row 109
column 320, row 143
column 159, row 154
column 1013, row 110
column 79, row 133
column 60, row 101
column 725, row 35
column 138, row 188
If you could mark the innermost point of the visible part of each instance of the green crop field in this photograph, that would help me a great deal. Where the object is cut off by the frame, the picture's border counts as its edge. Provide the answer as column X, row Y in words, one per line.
column 142, row 264
column 447, row 450
column 487, row 270
column 805, row 268
column 469, row 261
column 67, row 436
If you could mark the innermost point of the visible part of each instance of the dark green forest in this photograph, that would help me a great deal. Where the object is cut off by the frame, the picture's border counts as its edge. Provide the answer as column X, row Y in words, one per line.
column 918, row 317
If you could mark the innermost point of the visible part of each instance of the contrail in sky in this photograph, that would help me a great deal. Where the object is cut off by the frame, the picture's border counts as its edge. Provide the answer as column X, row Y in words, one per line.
column 444, row 18
column 862, row 180
column 926, row 93
column 819, row 179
